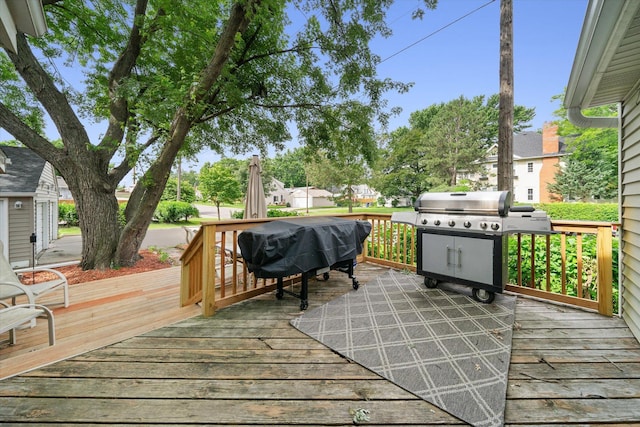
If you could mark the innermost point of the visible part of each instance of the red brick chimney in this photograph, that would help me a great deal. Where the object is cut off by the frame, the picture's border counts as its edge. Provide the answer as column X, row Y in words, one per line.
column 550, row 138
column 550, row 146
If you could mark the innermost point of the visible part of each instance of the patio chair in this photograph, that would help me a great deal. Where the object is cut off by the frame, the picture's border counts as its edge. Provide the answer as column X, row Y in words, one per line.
column 13, row 316
column 11, row 287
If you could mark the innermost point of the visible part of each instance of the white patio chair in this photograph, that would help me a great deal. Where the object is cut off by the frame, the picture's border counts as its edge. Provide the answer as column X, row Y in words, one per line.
column 11, row 287
column 14, row 316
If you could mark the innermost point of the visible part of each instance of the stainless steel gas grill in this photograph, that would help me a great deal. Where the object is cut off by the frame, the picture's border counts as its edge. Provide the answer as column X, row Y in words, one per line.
column 463, row 237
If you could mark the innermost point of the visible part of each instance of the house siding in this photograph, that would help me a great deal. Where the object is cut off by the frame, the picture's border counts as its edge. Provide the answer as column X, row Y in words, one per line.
column 630, row 216
column 526, row 180
column 22, row 226
column 31, row 180
column 46, row 208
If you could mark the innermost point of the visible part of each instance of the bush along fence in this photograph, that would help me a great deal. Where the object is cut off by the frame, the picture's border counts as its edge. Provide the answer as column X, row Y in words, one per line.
column 168, row 212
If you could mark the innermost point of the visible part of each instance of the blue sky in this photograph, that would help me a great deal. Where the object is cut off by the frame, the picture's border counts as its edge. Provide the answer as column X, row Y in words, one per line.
column 463, row 58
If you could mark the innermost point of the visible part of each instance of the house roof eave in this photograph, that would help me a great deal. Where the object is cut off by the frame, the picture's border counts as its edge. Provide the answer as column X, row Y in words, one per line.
column 26, row 16
column 604, row 29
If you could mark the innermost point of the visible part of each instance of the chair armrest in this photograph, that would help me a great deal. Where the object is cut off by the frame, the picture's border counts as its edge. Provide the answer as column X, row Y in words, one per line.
column 20, row 289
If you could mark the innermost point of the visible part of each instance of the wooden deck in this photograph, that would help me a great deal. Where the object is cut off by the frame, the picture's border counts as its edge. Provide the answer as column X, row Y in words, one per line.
column 102, row 312
column 247, row 366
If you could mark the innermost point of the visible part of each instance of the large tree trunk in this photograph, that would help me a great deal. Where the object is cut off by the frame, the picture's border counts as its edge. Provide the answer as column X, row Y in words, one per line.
column 97, row 208
column 98, row 216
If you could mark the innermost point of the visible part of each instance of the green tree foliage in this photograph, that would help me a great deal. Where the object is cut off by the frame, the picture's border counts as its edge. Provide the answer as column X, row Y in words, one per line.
column 218, row 185
column 583, row 180
column 453, row 140
column 593, row 157
column 166, row 80
column 440, row 141
column 187, row 192
column 401, row 169
column 349, row 136
column 289, row 167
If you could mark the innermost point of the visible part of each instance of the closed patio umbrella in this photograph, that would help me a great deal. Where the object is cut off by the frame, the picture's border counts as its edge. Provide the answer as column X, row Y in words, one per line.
column 255, row 204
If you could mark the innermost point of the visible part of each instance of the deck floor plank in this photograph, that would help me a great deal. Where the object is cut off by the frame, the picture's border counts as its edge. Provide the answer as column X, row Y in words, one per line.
column 247, row 366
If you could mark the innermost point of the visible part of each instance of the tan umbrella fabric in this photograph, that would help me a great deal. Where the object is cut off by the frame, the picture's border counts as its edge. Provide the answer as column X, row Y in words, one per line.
column 255, row 204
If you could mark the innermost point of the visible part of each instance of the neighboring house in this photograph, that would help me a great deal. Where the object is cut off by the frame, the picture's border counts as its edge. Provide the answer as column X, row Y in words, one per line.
column 311, row 197
column 64, row 194
column 365, row 195
column 28, row 204
column 606, row 70
column 535, row 160
column 278, row 195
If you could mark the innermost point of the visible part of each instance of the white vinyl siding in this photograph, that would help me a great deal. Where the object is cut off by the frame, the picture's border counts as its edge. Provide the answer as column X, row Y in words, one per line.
column 630, row 216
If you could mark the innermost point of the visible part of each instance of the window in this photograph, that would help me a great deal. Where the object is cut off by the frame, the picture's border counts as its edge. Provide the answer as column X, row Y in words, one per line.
column 530, row 167
column 529, row 193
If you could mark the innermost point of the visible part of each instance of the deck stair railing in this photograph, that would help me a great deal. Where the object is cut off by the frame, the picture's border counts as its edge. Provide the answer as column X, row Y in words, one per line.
column 558, row 267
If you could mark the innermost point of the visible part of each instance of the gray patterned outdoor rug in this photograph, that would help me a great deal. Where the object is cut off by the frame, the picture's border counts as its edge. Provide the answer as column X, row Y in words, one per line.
column 440, row 345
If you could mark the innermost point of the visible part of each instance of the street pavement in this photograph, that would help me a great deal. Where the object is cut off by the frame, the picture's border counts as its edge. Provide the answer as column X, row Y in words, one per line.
column 69, row 248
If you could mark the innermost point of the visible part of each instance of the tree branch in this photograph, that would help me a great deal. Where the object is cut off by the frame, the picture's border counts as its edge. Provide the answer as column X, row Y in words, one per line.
column 20, row 131
column 118, row 108
column 73, row 134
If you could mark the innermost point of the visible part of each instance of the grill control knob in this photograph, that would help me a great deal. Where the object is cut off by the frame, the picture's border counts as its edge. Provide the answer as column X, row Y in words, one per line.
column 424, row 221
column 483, row 225
column 495, row 226
column 436, row 222
column 451, row 223
column 467, row 224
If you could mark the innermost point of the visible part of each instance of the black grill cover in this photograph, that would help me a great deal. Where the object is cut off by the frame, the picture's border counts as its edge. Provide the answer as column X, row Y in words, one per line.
column 291, row 246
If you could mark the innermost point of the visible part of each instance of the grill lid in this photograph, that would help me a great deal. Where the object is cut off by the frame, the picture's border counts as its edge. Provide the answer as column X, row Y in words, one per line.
column 495, row 203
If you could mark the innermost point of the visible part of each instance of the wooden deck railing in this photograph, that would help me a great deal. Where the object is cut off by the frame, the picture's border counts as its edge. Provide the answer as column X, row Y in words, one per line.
column 213, row 271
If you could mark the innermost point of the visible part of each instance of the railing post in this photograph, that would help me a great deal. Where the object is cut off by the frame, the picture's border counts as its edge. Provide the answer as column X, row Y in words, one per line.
column 209, row 270
column 605, row 271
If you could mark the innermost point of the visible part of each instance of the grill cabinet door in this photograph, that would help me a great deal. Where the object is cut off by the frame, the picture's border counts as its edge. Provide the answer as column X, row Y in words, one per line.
column 438, row 254
column 474, row 259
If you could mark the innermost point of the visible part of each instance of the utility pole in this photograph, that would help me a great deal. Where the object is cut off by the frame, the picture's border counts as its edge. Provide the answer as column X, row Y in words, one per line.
column 179, row 184
column 505, row 114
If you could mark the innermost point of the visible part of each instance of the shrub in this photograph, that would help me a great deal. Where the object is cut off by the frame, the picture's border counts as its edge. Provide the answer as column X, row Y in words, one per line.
column 67, row 214
column 589, row 265
column 175, row 211
column 607, row 212
column 271, row 213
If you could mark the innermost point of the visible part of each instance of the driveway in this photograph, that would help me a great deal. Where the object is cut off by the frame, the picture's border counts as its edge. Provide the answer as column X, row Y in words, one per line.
column 207, row 211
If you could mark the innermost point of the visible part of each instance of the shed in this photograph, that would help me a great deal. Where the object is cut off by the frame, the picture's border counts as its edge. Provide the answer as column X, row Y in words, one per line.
column 28, row 204
column 606, row 70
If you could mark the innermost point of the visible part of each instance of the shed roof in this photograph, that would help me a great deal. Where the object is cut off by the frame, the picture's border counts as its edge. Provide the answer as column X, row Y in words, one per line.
column 23, row 173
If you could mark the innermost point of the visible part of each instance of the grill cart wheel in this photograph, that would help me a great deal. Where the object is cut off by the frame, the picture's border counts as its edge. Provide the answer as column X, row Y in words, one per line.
column 430, row 283
column 483, row 296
